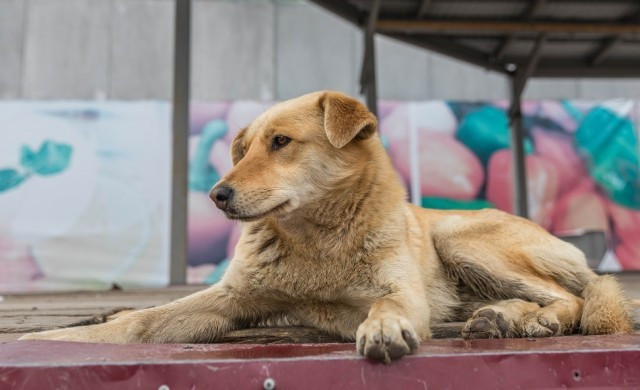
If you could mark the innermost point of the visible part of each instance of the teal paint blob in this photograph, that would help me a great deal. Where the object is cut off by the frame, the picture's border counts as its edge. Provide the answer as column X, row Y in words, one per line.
column 486, row 131
column 50, row 159
column 385, row 142
column 10, row 178
column 609, row 145
column 202, row 175
column 455, row 204
column 215, row 276
column 572, row 110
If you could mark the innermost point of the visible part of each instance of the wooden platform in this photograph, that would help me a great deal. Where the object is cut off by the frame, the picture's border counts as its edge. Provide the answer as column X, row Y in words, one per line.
column 292, row 357
column 573, row 361
column 32, row 312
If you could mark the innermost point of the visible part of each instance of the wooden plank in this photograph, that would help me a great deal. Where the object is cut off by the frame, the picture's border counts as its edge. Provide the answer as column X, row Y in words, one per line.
column 38, row 324
column 31, row 312
column 116, row 291
column 497, row 26
column 60, row 312
column 4, row 337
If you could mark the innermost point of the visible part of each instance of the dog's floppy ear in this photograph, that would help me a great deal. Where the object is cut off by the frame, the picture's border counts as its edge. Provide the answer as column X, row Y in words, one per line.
column 237, row 147
column 345, row 118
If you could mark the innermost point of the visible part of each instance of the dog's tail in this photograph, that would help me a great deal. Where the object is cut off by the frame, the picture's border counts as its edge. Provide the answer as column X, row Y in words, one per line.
column 606, row 309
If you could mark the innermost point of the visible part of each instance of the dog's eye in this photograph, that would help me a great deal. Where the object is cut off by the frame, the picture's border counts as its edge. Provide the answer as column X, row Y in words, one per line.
column 280, row 141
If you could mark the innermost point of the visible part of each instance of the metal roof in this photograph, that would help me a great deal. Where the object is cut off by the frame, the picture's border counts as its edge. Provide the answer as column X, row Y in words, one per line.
column 578, row 38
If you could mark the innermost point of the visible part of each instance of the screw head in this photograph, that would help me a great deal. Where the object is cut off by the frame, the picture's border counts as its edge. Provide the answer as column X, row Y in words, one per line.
column 163, row 387
column 269, row 384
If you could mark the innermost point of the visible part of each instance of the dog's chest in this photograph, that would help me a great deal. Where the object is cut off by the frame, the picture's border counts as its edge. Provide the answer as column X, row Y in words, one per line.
column 316, row 276
column 317, row 269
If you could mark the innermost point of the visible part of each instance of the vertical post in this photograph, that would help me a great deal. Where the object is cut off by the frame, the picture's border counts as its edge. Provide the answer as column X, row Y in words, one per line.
column 518, row 82
column 368, row 72
column 521, row 206
column 369, row 88
column 415, row 192
column 180, row 125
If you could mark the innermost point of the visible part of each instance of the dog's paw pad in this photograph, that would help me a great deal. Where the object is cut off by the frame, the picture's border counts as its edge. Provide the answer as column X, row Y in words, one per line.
column 486, row 324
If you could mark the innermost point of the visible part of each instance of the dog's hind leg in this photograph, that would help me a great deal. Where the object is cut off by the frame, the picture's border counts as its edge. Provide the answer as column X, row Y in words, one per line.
column 517, row 318
column 496, row 264
column 532, row 307
column 521, row 304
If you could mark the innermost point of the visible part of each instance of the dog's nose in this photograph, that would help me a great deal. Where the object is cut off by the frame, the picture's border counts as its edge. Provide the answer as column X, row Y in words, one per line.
column 221, row 195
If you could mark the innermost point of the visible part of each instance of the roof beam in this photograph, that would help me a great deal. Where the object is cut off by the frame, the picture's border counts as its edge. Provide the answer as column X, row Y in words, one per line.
column 572, row 69
column 499, row 54
column 529, row 14
column 605, row 48
column 534, row 9
column 449, row 49
column 442, row 26
column 340, row 8
column 609, row 43
column 424, row 9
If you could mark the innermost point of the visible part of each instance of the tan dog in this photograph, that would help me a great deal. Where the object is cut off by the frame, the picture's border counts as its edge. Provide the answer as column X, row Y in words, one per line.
column 329, row 241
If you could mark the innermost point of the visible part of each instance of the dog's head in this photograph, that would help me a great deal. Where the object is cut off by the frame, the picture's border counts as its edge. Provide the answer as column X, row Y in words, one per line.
column 294, row 153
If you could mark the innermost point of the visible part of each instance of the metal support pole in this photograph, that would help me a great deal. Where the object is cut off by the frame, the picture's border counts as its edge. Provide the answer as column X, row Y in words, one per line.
column 368, row 72
column 521, row 206
column 518, row 82
column 181, row 57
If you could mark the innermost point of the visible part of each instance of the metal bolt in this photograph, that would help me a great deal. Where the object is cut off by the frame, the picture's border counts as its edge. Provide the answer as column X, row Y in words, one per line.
column 163, row 387
column 576, row 375
column 269, row 384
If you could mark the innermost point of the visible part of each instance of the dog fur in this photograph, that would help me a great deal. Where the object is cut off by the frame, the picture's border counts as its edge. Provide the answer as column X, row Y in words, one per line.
column 329, row 241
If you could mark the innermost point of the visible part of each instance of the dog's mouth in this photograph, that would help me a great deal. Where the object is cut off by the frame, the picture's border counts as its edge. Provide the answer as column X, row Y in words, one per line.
column 232, row 214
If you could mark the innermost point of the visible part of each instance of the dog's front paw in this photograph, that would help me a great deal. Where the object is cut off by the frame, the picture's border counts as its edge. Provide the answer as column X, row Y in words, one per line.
column 386, row 338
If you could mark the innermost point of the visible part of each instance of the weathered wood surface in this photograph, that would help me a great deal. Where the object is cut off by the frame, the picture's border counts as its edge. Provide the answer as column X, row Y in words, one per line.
column 31, row 312
column 300, row 335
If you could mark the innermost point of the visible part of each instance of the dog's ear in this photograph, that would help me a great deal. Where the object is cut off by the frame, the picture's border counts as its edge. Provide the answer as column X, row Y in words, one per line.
column 237, row 147
column 345, row 118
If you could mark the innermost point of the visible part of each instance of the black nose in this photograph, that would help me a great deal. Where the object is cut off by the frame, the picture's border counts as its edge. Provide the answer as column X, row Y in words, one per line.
column 221, row 195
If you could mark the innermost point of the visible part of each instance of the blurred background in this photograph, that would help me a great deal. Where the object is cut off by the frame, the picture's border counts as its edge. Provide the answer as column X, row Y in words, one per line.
column 90, row 115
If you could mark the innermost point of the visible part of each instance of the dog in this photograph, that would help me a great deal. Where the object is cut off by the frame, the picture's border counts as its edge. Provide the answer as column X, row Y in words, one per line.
column 329, row 241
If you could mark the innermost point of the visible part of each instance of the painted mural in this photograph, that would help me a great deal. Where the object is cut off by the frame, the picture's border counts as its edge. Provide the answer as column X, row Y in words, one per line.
column 83, row 194
column 582, row 166
column 85, row 187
